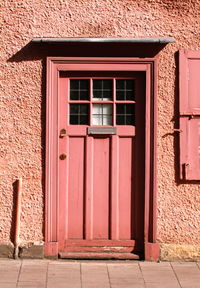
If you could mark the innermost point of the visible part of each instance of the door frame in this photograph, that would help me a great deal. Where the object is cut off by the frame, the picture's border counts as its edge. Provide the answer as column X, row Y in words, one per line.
column 52, row 197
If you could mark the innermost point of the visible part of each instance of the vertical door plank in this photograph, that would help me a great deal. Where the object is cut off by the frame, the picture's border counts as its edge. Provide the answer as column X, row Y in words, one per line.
column 76, row 187
column 89, row 188
column 101, row 188
column 125, row 186
column 114, row 188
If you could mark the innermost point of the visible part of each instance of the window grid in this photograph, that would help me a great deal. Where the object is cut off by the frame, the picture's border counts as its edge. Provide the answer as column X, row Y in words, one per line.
column 102, row 114
column 102, row 89
column 125, row 90
column 79, row 89
column 114, row 118
column 79, row 114
column 125, row 114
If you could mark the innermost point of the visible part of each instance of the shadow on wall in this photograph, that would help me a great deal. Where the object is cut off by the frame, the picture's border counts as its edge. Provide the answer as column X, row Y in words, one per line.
column 40, row 50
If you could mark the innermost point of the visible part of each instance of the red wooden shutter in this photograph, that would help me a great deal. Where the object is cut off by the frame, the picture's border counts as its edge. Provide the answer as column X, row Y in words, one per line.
column 190, row 115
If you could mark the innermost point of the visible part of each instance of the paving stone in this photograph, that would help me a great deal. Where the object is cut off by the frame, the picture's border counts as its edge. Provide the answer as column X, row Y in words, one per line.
column 63, row 284
column 32, row 284
column 188, row 274
column 8, row 285
column 125, row 275
column 94, row 275
column 9, row 271
column 64, row 275
column 32, row 271
column 158, row 275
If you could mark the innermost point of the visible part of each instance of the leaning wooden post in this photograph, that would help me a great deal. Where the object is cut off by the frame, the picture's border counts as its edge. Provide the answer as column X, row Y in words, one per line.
column 18, row 214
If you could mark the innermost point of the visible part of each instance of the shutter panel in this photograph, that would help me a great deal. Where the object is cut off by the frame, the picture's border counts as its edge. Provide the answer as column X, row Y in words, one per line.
column 189, row 115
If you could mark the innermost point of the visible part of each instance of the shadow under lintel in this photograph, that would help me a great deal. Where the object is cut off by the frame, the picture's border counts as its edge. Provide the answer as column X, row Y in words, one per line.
column 37, row 51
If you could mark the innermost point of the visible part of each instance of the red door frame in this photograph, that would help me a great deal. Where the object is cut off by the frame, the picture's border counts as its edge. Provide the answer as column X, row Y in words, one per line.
column 56, row 64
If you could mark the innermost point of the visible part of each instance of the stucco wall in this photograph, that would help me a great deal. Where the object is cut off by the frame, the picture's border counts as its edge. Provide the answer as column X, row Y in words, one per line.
column 22, row 104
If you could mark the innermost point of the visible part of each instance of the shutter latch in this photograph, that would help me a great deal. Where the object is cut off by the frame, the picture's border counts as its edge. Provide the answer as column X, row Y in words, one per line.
column 177, row 130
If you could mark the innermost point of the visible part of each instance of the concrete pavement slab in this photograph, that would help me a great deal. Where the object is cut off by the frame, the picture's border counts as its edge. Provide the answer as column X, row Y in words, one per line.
column 159, row 275
column 9, row 271
column 125, row 275
column 32, row 271
column 98, row 274
column 188, row 274
column 8, row 285
column 198, row 264
column 63, row 274
column 94, row 275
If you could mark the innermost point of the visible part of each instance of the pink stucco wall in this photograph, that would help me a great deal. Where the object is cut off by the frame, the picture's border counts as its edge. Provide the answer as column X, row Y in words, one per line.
column 22, row 105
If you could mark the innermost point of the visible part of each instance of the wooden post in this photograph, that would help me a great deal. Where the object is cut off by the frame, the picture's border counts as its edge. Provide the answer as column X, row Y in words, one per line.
column 18, row 213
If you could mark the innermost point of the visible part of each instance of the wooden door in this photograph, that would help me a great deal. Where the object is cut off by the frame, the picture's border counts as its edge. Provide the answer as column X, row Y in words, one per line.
column 101, row 168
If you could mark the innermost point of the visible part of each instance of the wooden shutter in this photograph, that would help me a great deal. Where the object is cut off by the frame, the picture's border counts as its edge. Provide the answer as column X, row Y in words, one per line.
column 189, row 115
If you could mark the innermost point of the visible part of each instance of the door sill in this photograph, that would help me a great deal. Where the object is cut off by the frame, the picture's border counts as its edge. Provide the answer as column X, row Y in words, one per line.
column 96, row 255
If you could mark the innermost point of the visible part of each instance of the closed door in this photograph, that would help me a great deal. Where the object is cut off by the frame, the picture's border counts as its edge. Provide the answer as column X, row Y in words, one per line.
column 101, row 171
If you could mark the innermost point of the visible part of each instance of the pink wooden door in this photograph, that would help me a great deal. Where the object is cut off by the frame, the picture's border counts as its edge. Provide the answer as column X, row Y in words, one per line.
column 101, row 180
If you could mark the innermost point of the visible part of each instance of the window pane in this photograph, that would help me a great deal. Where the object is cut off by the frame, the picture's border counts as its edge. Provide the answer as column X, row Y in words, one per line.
column 107, row 109
column 96, row 119
column 129, row 120
column 97, row 94
column 121, row 109
column 129, row 108
column 119, row 95
column 79, row 89
column 125, row 90
column 102, row 114
column 74, row 84
column 125, row 114
column 79, row 114
column 107, row 120
column 102, row 89
column 83, row 120
column 74, row 108
column 97, row 109
column 83, row 109
column 73, row 119
column 97, row 84
column 120, row 119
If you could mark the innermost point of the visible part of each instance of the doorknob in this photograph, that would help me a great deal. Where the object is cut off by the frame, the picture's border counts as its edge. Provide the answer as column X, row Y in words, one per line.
column 63, row 156
column 63, row 133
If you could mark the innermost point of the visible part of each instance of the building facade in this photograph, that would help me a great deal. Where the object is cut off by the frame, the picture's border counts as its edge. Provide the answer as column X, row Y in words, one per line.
column 100, row 118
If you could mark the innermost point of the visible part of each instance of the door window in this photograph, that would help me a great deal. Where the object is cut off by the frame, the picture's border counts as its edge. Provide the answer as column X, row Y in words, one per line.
column 102, row 102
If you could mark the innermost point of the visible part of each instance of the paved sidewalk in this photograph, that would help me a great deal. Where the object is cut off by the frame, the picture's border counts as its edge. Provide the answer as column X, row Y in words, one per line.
column 98, row 274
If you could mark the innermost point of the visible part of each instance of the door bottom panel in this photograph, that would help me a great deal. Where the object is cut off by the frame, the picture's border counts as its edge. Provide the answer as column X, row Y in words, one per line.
column 101, row 249
column 101, row 256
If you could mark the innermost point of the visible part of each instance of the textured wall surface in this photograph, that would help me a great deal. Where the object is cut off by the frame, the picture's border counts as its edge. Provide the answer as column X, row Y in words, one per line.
column 22, row 100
